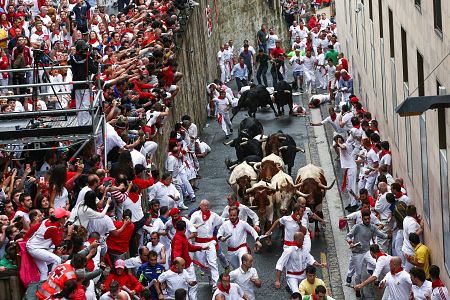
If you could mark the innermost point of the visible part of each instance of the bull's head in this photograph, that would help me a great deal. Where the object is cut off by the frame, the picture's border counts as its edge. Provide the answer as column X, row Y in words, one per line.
column 268, row 169
column 311, row 190
column 244, row 183
column 261, row 195
column 287, row 192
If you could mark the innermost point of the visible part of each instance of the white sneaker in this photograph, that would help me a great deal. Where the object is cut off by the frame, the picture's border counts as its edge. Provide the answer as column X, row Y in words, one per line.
column 184, row 207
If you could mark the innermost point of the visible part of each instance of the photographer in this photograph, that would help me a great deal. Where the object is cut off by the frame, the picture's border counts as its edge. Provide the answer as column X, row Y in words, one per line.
column 83, row 65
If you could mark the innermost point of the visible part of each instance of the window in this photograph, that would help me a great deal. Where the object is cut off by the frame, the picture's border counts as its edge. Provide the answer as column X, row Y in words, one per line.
column 441, row 123
column 370, row 10
column 394, row 101
column 437, row 11
column 383, row 78
column 424, row 158
column 380, row 16
column 391, row 33
column 420, row 75
column 404, row 55
column 417, row 3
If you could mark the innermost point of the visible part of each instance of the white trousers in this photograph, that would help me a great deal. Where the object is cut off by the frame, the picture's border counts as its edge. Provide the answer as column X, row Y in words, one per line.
column 42, row 258
column 235, row 257
column 225, row 124
column 227, row 71
column 352, row 174
column 222, row 73
column 294, row 281
column 310, row 79
column 321, row 78
column 370, row 183
column 357, row 262
column 192, row 277
column 208, row 258
column 186, row 186
column 82, row 100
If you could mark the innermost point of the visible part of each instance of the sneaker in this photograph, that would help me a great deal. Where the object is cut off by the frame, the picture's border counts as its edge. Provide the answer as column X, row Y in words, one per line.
column 349, row 279
column 183, row 207
column 193, row 199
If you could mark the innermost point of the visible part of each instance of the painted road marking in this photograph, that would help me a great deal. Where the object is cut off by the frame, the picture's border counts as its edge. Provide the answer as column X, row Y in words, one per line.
column 325, row 274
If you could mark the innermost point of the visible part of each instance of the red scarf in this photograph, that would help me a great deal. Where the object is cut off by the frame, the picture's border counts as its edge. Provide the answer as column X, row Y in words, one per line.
column 223, row 289
column 205, row 215
column 92, row 41
column 398, row 195
column 163, row 182
column 242, row 65
column 384, row 152
column 314, row 296
column 295, row 217
column 245, row 51
column 238, row 203
column 235, row 224
column 333, row 117
column 397, row 271
column 133, row 197
column 20, row 208
column 437, row 283
column 346, row 77
column 379, row 254
column 357, row 126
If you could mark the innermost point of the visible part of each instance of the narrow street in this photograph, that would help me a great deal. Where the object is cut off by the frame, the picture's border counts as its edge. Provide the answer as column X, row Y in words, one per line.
column 213, row 187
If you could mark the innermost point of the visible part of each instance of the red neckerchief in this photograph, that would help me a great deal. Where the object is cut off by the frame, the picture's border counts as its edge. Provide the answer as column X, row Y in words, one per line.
column 238, row 203
column 164, row 183
column 206, row 215
column 245, row 51
column 20, row 208
column 133, row 197
column 379, row 254
column 92, row 41
column 314, row 296
column 242, row 65
column 437, row 283
column 39, row 33
column 357, row 126
column 333, row 117
column 172, row 268
column 346, row 77
column 397, row 271
column 223, row 289
column 384, row 152
column 398, row 195
column 235, row 224
column 295, row 217
column 41, row 15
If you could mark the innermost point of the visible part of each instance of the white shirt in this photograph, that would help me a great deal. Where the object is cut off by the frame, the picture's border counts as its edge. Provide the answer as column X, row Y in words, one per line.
column 410, row 225
column 371, row 158
column 235, row 292
column 174, row 281
column 383, row 207
column 420, row 293
column 133, row 262
column 308, row 63
column 190, row 228
column 62, row 199
column 324, row 23
column 244, row 214
column 334, row 124
column 135, row 207
column 112, row 139
column 173, row 165
column 271, row 39
column 294, row 259
column 222, row 105
column 357, row 217
column 103, row 226
column 301, row 45
column 386, row 160
column 220, row 58
column 138, row 158
column 347, row 161
column 290, row 227
column 296, row 62
column 238, row 233
column 242, row 278
column 157, row 248
column 206, row 230
column 382, row 267
column 398, row 286
column 82, row 193
column 440, row 293
column 162, row 192
column 347, row 120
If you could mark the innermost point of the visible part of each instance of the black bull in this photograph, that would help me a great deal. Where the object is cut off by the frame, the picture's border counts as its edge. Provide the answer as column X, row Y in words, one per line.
column 252, row 99
column 283, row 96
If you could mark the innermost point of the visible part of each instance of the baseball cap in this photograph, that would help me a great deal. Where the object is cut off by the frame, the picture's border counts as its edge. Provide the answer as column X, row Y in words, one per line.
column 174, row 211
column 61, row 213
column 354, row 100
column 120, row 264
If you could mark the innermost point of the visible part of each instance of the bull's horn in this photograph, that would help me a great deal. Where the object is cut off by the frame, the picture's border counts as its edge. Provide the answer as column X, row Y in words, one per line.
column 287, row 91
column 245, row 139
column 298, row 185
column 232, row 167
column 243, row 143
column 302, row 194
column 261, row 140
column 326, row 187
column 257, row 165
column 300, row 149
column 249, row 190
column 253, row 178
column 229, row 182
column 283, row 148
column 228, row 143
column 274, row 92
column 283, row 138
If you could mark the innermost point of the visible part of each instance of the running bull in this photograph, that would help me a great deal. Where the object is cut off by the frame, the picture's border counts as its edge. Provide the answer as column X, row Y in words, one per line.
column 242, row 178
column 283, row 145
column 255, row 97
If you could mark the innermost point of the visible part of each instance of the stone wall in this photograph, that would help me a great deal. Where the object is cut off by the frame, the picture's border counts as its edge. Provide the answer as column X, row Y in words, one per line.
column 237, row 20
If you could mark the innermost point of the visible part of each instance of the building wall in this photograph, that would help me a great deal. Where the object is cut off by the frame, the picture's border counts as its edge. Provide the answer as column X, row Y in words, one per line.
column 235, row 19
column 378, row 80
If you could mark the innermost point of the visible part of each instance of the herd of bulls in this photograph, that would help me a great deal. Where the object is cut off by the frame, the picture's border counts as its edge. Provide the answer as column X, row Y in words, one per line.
column 258, row 175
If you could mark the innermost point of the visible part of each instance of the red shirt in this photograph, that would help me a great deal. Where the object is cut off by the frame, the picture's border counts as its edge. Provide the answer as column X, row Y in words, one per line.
column 119, row 244
column 181, row 248
column 125, row 279
column 276, row 52
column 143, row 183
column 344, row 63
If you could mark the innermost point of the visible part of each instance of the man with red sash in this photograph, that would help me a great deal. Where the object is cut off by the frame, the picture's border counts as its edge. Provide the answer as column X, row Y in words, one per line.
column 205, row 221
column 228, row 289
column 397, row 282
column 294, row 260
column 440, row 291
column 181, row 248
column 381, row 267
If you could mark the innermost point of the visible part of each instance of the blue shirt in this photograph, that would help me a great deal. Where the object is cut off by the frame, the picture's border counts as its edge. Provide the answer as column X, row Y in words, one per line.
column 239, row 72
column 147, row 273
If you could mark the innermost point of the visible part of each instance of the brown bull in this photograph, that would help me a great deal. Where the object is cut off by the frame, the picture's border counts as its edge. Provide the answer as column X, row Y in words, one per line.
column 269, row 166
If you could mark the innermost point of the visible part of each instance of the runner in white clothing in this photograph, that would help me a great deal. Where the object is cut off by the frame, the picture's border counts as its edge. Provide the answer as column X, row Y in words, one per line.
column 294, row 261
column 349, row 166
column 234, row 232
column 397, row 282
column 246, row 276
column 421, row 288
column 223, row 106
column 244, row 211
column 227, row 290
column 206, row 221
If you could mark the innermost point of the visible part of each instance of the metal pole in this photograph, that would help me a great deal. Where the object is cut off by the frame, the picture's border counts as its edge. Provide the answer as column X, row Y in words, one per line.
column 48, row 148
column 29, row 95
column 31, row 69
column 41, row 113
column 79, row 150
column 44, row 84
